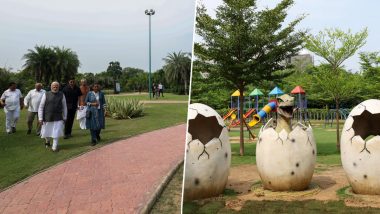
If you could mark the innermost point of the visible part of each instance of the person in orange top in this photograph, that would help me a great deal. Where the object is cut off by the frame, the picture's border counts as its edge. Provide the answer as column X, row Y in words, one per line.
column 82, row 105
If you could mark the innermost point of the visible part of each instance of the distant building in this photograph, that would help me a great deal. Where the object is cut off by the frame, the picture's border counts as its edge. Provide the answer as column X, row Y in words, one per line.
column 301, row 61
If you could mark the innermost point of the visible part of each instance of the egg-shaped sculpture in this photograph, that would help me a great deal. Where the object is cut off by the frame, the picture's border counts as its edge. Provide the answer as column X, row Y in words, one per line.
column 208, row 153
column 360, row 147
column 286, row 161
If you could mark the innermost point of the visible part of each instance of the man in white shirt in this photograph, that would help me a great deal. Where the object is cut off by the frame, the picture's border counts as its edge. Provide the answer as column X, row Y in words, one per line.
column 12, row 99
column 160, row 90
column 32, row 101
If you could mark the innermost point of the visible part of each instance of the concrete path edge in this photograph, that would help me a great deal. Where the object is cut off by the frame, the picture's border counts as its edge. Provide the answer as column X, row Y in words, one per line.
column 160, row 188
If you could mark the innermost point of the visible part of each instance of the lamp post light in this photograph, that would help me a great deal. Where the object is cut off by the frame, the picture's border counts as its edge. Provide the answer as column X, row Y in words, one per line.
column 150, row 13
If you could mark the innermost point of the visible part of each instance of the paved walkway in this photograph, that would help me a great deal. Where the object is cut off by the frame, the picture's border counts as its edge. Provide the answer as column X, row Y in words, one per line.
column 117, row 178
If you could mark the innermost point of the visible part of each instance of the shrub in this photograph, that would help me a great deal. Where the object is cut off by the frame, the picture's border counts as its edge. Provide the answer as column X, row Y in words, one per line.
column 124, row 109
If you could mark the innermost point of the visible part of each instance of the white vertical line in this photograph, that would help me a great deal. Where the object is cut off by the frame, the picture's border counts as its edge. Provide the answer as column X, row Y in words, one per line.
column 188, row 103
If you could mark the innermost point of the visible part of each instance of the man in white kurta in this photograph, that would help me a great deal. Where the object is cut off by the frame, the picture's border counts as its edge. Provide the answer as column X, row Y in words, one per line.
column 12, row 99
column 52, row 114
column 32, row 102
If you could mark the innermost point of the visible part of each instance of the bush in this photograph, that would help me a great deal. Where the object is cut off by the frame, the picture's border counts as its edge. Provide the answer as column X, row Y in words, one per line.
column 124, row 109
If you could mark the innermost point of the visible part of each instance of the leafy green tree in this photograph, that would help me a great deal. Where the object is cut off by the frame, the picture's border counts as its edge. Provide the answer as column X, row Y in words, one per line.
column 6, row 78
column 49, row 64
column 114, row 69
column 335, row 46
column 40, row 62
column 177, row 69
column 370, row 70
column 66, row 64
column 244, row 46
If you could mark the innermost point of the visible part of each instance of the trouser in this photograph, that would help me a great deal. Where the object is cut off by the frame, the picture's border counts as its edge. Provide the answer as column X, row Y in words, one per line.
column 94, row 133
column 55, row 143
column 69, row 121
column 30, row 120
column 161, row 92
column 11, row 119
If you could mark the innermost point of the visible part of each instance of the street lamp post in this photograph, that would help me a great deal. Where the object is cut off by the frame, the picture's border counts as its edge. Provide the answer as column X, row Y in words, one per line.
column 150, row 13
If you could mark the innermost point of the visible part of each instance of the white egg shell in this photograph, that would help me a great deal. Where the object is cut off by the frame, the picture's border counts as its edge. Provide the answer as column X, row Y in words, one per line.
column 286, row 161
column 361, row 158
column 207, row 165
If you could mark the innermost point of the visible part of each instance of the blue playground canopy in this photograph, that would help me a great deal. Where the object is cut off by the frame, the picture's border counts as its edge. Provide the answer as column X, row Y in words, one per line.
column 276, row 91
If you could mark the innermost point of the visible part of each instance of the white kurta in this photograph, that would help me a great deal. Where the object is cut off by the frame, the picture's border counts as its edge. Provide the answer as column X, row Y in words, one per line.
column 81, row 116
column 12, row 108
column 33, row 99
column 52, row 129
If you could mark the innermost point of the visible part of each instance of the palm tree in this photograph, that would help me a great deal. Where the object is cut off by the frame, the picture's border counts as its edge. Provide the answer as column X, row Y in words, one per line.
column 39, row 62
column 49, row 64
column 66, row 64
column 177, row 68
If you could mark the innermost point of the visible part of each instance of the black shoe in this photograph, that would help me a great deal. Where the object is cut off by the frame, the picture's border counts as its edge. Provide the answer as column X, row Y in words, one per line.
column 47, row 144
column 66, row 137
column 13, row 129
column 93, row 142
column 29, row 131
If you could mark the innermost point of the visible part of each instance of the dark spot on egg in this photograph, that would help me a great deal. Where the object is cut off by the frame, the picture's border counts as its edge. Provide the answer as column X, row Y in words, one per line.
column 196, row 181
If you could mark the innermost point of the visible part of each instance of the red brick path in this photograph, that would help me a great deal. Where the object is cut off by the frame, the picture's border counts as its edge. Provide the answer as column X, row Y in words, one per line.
column 117, row 178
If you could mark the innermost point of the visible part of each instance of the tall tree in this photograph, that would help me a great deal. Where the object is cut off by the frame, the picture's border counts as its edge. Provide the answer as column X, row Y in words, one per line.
column 40, row 62
column 114, row 69
column 50, row 64
column 177, row 68
column 244, row 46
column 66, row 64
column 335, row 46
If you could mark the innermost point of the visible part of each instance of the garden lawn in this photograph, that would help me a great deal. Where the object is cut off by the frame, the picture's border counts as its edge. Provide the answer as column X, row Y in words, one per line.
column 145, row 96
column 326, row 147
column 23, row 155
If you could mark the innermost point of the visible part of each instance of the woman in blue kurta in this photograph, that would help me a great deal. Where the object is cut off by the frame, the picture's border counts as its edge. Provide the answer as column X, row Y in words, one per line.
column 95, row 121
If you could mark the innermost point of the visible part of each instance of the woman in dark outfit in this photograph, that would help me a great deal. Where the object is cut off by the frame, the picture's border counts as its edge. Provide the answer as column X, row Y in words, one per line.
column 95, row 121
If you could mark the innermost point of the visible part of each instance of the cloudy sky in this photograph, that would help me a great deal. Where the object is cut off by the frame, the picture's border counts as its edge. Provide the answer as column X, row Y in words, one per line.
column 321, row 14
column 98, row 31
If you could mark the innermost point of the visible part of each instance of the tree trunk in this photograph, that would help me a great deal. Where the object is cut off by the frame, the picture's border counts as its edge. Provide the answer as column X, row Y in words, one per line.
column 337, row 125
column 241, row 108
column 186, row 87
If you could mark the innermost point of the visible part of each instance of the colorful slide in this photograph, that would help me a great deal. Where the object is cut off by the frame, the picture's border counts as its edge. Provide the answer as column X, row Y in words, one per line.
column 229, row 113
column 262, row 113
column 245, row 116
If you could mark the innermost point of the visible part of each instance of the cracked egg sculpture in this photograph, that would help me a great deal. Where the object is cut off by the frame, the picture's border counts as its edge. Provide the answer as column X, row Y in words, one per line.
column 285, row 155
column 208, row 153
column 360, row 147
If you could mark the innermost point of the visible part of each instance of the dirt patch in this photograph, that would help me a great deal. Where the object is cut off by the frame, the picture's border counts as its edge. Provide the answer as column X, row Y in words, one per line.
column 356, row 200
column 327, row 180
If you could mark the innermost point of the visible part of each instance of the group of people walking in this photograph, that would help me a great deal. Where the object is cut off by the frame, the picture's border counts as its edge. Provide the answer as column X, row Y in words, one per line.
column 158, row 90
column 56, row 109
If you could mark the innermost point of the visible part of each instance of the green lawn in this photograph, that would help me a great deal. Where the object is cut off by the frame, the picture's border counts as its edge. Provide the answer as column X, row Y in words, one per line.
column 22, row 155
column 170, row 199
column 145, row 96
column 326, row 147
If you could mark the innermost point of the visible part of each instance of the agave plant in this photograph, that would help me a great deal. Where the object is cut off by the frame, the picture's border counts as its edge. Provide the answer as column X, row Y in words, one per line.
column 124, row 109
